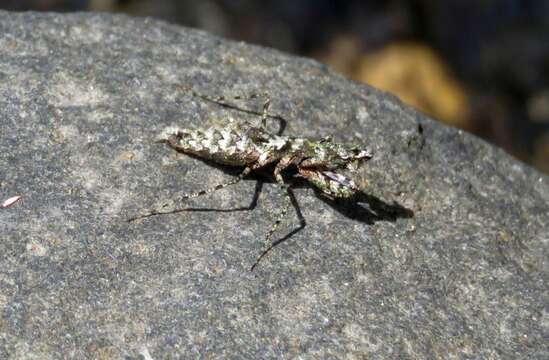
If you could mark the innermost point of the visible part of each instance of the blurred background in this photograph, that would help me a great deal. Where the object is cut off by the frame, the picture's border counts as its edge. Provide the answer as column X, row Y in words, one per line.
column 480, row 65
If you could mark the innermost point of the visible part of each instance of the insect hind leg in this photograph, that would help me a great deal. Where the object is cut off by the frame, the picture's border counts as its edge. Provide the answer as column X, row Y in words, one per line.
column 222, row 100
column 160, row 210
column 264, row 110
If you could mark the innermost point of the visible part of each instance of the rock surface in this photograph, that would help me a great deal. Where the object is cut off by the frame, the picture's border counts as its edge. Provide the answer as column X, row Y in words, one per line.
column 446, row 257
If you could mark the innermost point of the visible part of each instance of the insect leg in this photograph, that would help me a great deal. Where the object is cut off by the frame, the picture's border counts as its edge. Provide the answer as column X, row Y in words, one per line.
column 160, row 210
column 222, row 100
column 279, row 219
column 280, row 166
column 265, row 108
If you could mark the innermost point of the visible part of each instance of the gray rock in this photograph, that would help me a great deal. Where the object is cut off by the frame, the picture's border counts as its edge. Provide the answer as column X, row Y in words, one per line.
column 445, row 257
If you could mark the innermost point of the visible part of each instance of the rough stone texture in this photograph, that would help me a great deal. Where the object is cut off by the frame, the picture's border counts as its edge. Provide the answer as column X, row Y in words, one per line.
column 461, row 274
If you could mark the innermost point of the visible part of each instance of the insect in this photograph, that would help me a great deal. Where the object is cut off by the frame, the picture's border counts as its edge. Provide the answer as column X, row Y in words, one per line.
column 319, row 162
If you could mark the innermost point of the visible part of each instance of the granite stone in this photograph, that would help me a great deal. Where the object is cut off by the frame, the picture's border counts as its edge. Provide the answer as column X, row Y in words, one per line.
column 445, row 255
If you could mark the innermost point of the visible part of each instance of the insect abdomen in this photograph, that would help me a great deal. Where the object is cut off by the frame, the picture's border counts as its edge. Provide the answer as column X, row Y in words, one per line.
column 223, row 146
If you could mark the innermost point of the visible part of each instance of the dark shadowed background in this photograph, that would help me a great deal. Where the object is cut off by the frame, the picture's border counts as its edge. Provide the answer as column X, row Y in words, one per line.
column 479, row 65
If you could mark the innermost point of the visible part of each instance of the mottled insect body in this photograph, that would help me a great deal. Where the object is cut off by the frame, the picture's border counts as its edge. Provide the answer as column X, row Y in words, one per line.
column 319, row 162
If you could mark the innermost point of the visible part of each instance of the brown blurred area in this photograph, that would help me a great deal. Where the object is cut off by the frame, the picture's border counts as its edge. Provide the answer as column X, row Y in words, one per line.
column 478, row 65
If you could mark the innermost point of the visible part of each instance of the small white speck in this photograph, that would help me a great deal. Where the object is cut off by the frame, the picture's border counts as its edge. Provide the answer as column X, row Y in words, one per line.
column 167, row 132
column 263, row 156
column 145, row 353
column 12, row 200
column 516, row 168
column 195, row 135
column 363, row 115
column 297, row 144
column 209, row 133
column 276, row 142
column 36, row 249
column 225, row 143
column 243, row 144
column 321, row 153
column 226, row 133
column 207, row 143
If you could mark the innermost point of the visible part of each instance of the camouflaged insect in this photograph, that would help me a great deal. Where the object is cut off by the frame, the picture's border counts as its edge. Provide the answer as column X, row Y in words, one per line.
column 320, row 162
column 317, row 161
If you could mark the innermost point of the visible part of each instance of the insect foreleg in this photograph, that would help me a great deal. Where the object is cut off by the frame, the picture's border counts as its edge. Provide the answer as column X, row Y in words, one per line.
column 160, row 210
